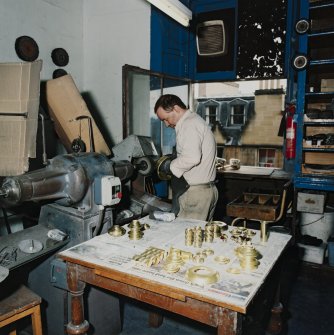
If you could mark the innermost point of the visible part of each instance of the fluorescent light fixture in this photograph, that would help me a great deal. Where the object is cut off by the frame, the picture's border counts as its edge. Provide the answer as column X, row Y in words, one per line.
column 175, row 9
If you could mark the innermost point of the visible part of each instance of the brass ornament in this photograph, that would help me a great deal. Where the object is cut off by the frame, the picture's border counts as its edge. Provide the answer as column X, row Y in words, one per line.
column 116, row 231
column 222, row 259
column 202, row 275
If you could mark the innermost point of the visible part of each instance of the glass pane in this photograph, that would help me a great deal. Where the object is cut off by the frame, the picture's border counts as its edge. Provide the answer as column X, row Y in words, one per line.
column 249, row 116
column 142, row 90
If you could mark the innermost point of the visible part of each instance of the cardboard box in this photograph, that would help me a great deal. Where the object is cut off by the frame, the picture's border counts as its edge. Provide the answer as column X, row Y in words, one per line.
column 327, row 85
column 65, row 106
column 312, row 254
column 311, row 203
column 19, row 106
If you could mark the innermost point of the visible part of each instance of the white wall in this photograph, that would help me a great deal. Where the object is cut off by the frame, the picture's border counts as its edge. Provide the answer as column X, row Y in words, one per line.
column 116, row 32
column 52, row 24
column 100, row 36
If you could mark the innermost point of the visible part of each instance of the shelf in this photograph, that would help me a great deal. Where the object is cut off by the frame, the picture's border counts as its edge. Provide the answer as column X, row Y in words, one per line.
column 317, row 8
column 319, row 149
column 319, row 123
column 314, row 182
column 314, row 167
column 322, row 34
column 322, row 62
column 319, row 94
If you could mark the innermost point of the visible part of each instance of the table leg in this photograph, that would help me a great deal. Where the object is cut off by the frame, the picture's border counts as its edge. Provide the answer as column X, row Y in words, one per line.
column 230, row 323
column 155, row 319
column 78, row 324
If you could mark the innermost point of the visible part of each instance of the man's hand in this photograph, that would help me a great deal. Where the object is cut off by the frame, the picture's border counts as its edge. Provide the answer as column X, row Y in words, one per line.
column 163, row 167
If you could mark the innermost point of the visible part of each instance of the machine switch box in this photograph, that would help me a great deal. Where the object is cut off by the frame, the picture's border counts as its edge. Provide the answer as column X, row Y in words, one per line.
column 107, row 190
column 58, row 275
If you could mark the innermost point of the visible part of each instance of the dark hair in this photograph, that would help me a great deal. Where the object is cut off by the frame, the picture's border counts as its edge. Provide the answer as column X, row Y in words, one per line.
column 168, row 101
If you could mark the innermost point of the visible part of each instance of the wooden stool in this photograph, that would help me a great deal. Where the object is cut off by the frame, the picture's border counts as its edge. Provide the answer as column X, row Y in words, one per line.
column 19, row 304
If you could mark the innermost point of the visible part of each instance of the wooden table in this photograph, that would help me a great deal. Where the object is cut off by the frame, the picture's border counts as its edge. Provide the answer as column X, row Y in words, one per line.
column 106, row 261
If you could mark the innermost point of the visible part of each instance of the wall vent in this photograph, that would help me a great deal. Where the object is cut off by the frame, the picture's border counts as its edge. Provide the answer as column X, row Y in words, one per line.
column 211, row 38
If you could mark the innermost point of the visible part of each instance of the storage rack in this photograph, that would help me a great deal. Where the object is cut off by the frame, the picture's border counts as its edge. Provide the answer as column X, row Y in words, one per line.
column 317, row 44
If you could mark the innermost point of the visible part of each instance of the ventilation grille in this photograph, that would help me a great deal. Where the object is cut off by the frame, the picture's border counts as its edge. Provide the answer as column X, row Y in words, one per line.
column 211, row 38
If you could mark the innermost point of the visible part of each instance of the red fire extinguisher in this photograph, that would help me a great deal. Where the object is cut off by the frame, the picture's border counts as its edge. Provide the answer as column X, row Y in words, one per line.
column 290, row 132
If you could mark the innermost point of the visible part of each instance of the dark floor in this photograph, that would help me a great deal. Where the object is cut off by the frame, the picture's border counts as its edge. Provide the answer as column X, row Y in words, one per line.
column 311, row 305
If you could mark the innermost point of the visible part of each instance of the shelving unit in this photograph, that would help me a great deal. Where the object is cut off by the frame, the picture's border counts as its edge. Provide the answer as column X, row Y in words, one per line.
column 314, row 166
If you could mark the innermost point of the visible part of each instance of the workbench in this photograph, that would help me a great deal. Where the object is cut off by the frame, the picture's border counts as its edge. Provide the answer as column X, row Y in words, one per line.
column 107, row 261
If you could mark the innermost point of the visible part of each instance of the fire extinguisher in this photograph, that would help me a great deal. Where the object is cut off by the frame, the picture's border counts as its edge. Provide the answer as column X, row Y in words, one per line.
column 290, row 132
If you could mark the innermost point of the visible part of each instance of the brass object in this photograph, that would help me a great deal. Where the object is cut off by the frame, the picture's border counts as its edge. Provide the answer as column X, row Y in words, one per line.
column 264, row 231
column 135, row 234
column 208, row 252
column 198, row 258
column 201, row 255
column 172, row 268
column 250, row 233
column 221, row 224
column 186, row 255
column 209, row 233
column 135, row 224
column 224, row 237
column 242, row 235
column 202, row 275
column 198, row 237
column 222, row 259
column 174, row 261
column 248, row 257
column 189, row 237
column 146, row 226
column 234, row 271
column 116, row 230
column 151, row 256
column 249, row 263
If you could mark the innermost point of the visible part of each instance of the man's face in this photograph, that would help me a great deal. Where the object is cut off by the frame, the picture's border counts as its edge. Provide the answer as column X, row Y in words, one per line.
column 169, row 118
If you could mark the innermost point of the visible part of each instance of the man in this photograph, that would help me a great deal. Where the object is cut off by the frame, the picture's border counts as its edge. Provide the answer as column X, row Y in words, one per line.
column 195, row 160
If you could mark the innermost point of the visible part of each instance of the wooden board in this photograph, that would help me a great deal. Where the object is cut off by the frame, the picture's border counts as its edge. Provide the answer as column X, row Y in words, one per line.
column 65, row 105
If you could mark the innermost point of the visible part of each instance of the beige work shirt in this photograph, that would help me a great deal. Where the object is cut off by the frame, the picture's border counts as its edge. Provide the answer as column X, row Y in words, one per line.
column 196, row 150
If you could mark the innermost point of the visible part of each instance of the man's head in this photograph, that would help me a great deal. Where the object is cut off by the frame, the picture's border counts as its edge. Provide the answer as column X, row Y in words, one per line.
column 169, row 109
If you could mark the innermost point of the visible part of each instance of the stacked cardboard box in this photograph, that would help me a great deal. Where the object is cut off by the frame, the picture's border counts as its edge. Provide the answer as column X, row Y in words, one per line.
column 327, row 85
column 19, row 105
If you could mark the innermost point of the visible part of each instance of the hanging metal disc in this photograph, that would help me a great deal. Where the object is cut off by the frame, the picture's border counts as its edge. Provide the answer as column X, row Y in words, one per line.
column 60, row 57
column 26, row 48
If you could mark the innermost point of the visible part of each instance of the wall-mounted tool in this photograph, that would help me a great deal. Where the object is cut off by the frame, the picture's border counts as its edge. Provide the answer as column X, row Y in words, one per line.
column 78, row 145
column 45, row 159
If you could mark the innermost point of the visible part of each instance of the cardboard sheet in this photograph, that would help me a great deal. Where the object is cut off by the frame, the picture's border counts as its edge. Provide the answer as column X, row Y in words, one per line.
column 65, row 105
